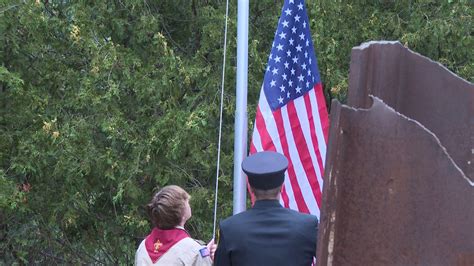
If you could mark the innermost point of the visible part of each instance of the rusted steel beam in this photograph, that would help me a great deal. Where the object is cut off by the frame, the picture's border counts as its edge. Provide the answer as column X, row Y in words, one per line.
column 392, row 194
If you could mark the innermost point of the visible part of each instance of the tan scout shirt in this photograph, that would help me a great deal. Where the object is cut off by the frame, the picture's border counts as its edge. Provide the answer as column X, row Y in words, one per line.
column 185, row 252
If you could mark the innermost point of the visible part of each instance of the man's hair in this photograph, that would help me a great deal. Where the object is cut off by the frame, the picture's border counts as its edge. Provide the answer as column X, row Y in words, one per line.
column 266, row 194
column 167, row 206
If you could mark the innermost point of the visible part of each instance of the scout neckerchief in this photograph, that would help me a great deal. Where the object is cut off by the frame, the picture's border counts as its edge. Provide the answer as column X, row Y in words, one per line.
column 159, row 241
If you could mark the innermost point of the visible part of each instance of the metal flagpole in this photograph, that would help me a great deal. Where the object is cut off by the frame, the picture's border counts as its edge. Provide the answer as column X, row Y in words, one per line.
column 240, row 140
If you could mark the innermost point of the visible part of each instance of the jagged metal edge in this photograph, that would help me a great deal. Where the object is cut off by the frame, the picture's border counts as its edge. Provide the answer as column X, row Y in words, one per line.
column 375, row 99
column 366, row 45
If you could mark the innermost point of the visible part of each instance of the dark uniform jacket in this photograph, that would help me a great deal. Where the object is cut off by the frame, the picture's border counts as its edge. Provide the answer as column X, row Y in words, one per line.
column 267, row 234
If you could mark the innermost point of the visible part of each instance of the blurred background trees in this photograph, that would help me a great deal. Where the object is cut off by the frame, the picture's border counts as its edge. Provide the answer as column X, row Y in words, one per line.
column 102, row 102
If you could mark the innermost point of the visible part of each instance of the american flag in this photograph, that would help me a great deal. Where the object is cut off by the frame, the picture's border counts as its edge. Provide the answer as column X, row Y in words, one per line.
column 291, row 115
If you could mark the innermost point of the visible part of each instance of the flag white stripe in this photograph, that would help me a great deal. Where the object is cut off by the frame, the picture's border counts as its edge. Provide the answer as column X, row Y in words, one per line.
column 257, row 142
column 318, row 127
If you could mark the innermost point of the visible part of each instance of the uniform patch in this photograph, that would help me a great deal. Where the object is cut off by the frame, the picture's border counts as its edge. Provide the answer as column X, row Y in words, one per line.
column 204, row 252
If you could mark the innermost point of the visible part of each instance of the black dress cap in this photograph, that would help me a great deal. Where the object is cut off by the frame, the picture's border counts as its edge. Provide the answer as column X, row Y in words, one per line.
column 265, row 170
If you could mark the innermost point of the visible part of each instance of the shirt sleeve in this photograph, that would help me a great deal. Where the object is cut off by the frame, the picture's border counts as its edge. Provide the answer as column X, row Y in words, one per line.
column 141, row 256
column 196, row 258
column 201, row 261
column 222, row 256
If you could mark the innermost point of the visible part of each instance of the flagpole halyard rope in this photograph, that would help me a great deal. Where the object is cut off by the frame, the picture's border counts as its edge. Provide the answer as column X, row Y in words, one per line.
column 220, row 122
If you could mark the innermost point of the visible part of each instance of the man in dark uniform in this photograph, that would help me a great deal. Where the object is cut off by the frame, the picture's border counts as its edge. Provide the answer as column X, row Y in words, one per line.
column 267, row 234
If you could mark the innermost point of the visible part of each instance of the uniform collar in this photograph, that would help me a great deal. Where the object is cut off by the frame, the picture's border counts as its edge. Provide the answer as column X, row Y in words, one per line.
column 182, row 228
column 263, row 204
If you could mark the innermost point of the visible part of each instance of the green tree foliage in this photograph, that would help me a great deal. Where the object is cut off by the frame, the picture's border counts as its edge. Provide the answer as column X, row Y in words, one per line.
column 441, row 30
column 101, row 102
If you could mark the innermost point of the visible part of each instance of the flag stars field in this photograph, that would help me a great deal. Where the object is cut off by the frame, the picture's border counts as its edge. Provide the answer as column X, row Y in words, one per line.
column 292, row 44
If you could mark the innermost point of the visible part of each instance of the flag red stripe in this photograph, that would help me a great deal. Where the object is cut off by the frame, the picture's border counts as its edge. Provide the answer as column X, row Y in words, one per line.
column 252, row 148
column 303, row 151
column 314, row 138
column 268, row 145
column 265, row 139
column 300, row 172
column 301, row 204
column 322, row 111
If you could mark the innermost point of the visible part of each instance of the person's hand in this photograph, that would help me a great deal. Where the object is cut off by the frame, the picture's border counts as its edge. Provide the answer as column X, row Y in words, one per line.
column 211, row 246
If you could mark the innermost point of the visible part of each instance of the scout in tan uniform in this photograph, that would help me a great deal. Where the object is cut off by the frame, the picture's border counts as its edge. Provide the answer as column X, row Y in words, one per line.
column 169, row 243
